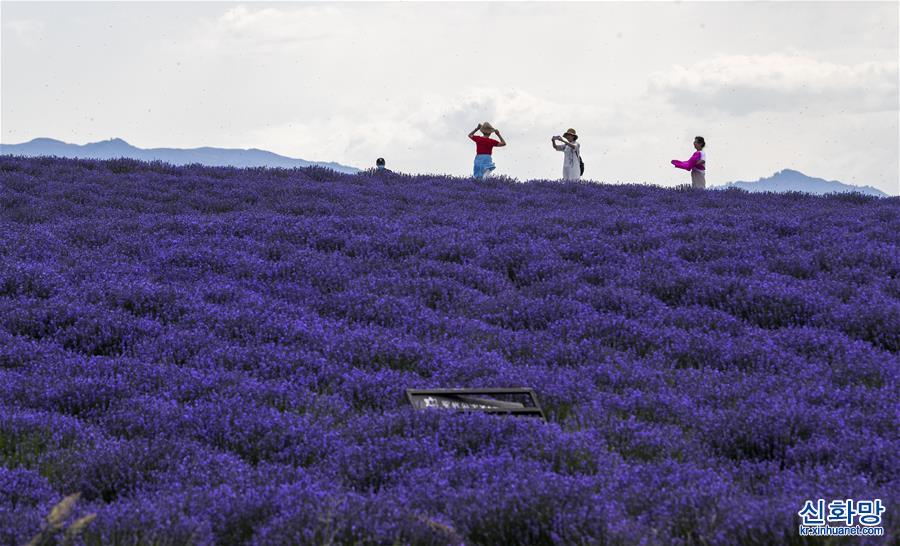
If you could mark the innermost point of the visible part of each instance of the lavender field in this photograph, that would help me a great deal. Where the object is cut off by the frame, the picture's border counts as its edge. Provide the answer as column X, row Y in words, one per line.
column 219, row 356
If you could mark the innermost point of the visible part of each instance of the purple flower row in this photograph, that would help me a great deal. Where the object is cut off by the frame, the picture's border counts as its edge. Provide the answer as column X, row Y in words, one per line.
column 219, row 356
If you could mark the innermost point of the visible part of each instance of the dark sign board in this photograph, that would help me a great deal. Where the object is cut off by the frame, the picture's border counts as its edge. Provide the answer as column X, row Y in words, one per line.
column 507, row 401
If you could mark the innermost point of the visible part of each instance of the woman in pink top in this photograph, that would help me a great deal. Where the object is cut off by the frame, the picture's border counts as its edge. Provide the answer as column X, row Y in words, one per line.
column 696, row 164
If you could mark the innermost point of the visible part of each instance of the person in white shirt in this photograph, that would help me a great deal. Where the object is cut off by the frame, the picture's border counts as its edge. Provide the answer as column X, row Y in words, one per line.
column 571, row 153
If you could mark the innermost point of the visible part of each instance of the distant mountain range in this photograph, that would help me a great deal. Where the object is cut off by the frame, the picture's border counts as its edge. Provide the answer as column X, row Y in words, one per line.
column 116, row 148
column 789, row 180
column 782, row 181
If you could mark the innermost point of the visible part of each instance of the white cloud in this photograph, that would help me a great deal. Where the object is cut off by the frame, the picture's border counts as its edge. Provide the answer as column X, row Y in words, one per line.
column 353, row 81
column 27, row 31
column 741, row 84
column 446, row 115
column 428, row 134
column 272, row 30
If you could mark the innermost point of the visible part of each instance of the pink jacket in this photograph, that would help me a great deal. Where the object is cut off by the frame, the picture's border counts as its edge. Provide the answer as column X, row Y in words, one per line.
column 690, row 163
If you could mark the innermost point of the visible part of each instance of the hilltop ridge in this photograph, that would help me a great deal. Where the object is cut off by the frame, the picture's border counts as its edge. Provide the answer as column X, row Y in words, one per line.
column 116, row 147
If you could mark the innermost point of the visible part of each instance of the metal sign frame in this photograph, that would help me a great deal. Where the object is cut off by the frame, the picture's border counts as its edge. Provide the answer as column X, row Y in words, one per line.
column 469, row 397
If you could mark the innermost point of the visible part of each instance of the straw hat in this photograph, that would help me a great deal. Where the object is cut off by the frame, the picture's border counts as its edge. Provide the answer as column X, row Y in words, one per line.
column 570, row 131
column 487, row 127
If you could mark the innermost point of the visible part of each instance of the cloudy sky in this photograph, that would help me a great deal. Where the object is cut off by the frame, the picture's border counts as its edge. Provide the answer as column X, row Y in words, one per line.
column 811, row 86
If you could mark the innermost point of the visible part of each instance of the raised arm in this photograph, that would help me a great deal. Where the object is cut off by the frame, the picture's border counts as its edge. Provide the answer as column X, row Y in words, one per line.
column 689, row 164
column 556, row 147
column 475, row 130
column 502, row 142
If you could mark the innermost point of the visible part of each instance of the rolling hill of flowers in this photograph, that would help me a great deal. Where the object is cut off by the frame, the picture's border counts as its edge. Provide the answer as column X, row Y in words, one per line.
column 219, row 356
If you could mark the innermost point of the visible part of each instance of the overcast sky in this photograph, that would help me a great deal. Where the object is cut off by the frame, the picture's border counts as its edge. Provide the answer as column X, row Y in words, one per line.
column 811, row 86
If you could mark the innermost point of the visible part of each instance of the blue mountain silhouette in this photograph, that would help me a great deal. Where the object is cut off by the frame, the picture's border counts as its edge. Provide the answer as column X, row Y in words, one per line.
column 791, row 180
column 116, row 148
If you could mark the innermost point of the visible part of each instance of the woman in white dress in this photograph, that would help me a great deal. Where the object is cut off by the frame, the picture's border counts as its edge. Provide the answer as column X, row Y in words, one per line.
column 571, row 154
